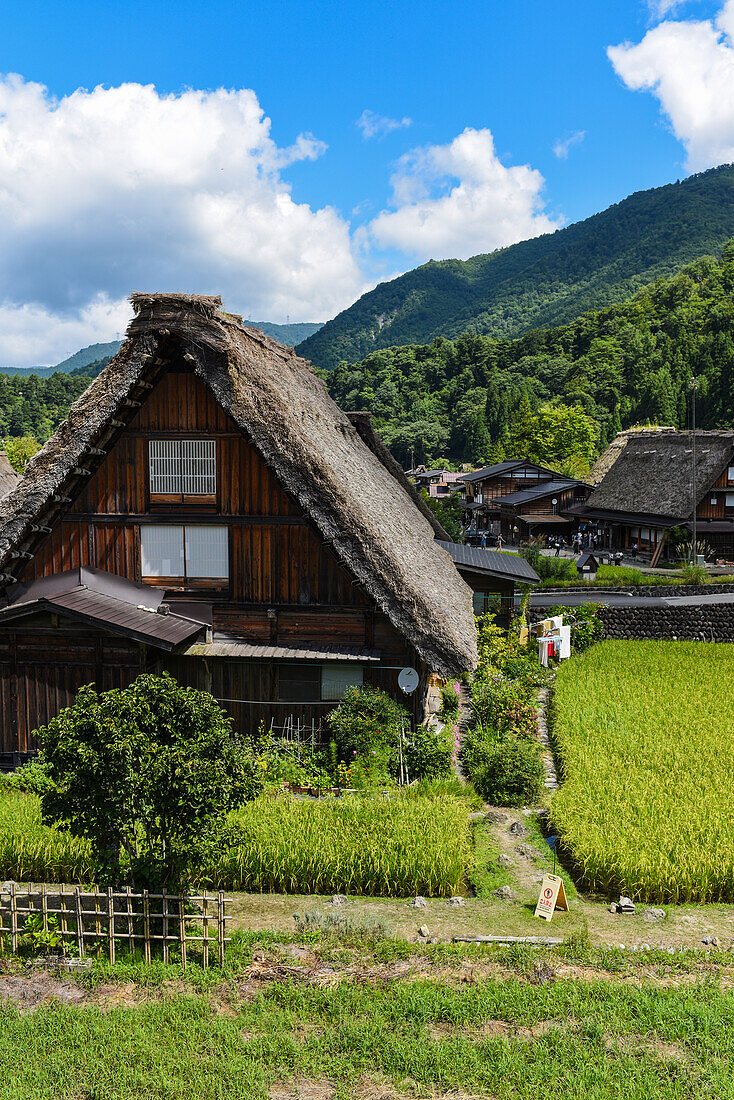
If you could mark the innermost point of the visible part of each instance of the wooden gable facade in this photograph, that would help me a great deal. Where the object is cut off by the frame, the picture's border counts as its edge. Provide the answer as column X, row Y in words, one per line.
column 180, row 504
column 284, row 588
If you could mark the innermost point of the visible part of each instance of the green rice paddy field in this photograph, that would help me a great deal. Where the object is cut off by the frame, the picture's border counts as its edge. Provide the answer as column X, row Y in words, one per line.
column 409, row 843
column 644, row 732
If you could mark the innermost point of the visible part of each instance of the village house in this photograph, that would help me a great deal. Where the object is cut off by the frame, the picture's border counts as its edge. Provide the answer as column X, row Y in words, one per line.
column 645, row 488
column 520, row 499
column 207, row 509
column 438, row 483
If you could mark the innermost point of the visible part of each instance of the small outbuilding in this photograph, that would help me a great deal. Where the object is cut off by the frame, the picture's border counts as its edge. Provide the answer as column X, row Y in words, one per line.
column 587, row 567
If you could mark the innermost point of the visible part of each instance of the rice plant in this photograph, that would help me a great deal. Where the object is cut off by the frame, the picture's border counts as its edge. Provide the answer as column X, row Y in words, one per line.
column 394, row 845
column 354, row 845
column 645, row 735
column 33, row 852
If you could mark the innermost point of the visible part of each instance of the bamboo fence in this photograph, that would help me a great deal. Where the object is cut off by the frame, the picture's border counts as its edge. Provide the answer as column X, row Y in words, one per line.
column 106, row 918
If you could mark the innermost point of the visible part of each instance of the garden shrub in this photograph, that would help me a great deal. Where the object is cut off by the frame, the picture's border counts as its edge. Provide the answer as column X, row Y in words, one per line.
column 550, row 568
column 505, row 705
column 512, row 774
column 587, row 629
column 366, row 719
column 450, row 699
column 148, row 773
column 693, row 573
column 477, row 749
column 34, row 777
column 428, row 753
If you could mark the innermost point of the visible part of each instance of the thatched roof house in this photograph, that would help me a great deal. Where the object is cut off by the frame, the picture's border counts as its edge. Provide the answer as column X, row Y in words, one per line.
column 647, row 486
column 344, row 485
column 653, row 473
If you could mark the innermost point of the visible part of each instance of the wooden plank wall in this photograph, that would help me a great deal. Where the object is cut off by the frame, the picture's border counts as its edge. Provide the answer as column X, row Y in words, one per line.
column 276, row 555
column 41, row 671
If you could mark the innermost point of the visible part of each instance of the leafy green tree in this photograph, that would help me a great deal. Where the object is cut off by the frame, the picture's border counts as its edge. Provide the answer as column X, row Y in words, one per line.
column 558, row 436
column 20, row 451
column 423, row 440
column 448, row 511
column 147, row 773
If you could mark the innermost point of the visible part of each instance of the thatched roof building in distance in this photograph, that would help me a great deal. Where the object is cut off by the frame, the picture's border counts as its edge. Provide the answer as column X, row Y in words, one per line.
column 647, row 487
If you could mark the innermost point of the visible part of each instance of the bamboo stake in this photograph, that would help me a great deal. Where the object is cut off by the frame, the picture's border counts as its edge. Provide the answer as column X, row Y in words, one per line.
column 111, row 922
column 146, row 925
column 205, row 931
column 98, row 926
column 164, row 908
column 182, row 929
column 130, row 936
column 221, row 926
column 63, row 922
column 44, row 907
column 13, row 920
column 79, row 922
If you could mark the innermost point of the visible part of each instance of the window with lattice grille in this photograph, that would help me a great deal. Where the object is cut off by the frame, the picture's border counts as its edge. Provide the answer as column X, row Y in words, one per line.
column 182, row 468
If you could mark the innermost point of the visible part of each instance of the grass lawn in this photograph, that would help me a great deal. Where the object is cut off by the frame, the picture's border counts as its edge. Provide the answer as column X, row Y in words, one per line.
column 645, row 735
column 326, row 1021
column 611, row 575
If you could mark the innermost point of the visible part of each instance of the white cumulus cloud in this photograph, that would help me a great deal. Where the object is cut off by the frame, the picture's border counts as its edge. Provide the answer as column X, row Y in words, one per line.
column 459, row 199
column 373, row 125
column 688, row 65
column 564, row 145
column 115, row 189
column 660, row 9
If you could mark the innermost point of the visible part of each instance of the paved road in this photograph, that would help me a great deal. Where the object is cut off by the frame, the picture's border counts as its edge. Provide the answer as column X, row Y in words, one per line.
column 573, row 598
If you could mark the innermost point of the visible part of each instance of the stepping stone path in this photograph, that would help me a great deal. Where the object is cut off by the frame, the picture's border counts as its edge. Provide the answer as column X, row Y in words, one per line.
column 463, row 721
column 549, row 764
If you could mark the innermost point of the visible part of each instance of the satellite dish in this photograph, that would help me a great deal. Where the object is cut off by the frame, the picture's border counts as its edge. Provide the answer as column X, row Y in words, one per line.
column 408, row 680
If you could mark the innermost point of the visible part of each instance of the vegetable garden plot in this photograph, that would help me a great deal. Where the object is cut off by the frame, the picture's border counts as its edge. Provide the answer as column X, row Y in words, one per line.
column 644, row 732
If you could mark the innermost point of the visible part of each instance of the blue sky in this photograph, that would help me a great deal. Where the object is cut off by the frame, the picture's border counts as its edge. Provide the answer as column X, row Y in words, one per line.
column 481, row 123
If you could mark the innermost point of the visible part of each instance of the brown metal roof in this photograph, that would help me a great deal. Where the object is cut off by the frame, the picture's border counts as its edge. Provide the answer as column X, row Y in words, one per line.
column 101, row 599
column 254, row 651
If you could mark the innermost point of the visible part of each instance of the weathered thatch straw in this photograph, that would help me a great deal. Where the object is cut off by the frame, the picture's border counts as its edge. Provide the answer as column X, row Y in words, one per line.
column 610, row 454
column 361, row 509
column 8, row 477
column 651, row 472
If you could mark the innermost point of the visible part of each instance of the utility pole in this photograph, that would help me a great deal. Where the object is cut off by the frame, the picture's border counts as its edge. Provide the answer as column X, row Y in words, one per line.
column 693, row 387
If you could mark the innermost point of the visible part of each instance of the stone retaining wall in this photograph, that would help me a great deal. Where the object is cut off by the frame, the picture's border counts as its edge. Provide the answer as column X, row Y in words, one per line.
column 640, row 590
column 707, row 622
column 713, row 622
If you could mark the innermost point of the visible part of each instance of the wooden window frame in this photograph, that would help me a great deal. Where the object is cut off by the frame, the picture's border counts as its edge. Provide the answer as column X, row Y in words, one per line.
column 167, row 499
column 220, row 585
column 318, row 668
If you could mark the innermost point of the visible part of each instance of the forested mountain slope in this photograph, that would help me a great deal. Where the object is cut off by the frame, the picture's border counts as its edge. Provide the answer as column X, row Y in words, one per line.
column 558, row 394
column 545, row 281
column 470, row 399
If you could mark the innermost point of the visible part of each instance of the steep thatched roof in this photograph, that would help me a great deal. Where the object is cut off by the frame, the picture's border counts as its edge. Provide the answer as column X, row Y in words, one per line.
column 363, row 423
column 609, row 456
column 361, row 509
column 8, row 477
column 652, row 473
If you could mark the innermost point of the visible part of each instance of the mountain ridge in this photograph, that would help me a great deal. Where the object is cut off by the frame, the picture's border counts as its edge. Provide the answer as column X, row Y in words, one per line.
column 542, row 282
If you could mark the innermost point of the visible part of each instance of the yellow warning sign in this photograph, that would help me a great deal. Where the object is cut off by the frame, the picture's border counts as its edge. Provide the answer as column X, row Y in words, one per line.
column 552, row 896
